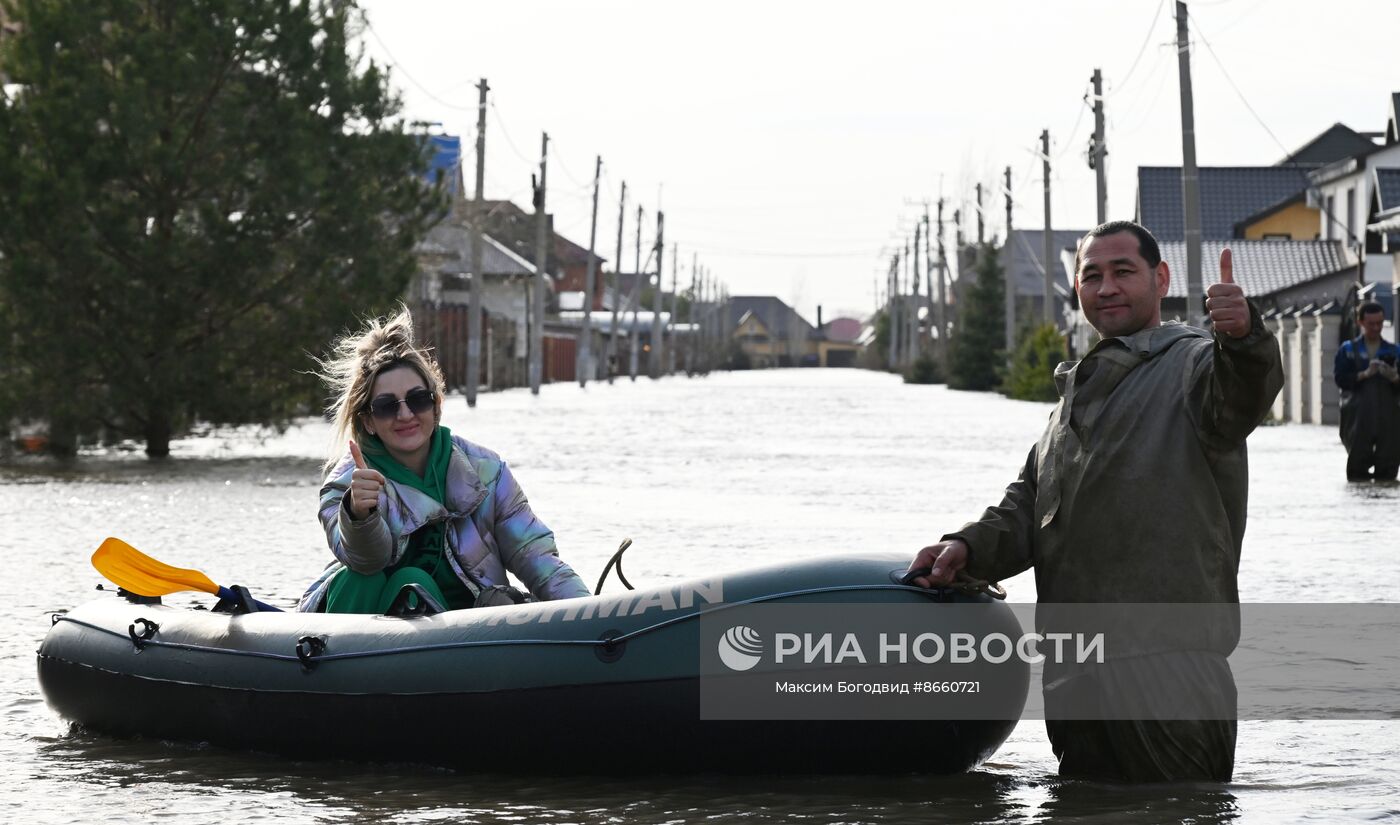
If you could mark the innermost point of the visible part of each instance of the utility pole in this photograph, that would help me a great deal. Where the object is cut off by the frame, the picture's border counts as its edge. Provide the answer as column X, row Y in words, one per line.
column 478, row 238
column 536, row 363
column 1048, row 239
column 912, row 345
column 891, row 298
column 1098, row 150
column 692, row 351
column 675, row 296
column 943, row 348
column 980, row 235
column 916, row 344
column 633, row 300
column 1190, row 177
column 1009, row 293
column 584, row 368
column 611, row 360
column 928, row 277
column 657, row 346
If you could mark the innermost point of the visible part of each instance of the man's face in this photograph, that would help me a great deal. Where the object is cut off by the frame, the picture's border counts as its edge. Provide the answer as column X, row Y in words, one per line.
column 1119, row 293
column 1371, row 324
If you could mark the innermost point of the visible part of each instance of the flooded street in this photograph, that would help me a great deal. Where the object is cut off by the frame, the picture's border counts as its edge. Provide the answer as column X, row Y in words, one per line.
column 704, row 475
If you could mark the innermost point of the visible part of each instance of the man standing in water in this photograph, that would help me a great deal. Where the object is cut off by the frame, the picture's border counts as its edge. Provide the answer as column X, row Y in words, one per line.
column 1365, row 372
column 1136, row 493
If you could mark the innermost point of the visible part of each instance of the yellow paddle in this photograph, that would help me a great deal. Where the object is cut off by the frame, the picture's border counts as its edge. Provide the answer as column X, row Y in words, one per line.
column 132, row 570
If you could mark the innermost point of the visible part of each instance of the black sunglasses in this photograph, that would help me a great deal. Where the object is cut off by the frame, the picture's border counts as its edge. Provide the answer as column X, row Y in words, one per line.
column 386, row 407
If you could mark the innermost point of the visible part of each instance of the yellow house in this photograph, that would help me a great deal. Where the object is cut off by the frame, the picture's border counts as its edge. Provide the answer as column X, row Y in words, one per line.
column 773, row 334
column 1288, row 220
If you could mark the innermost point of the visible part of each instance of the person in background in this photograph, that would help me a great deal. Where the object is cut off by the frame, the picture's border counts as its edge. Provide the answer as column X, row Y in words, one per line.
column 1136, row 494
column 1365, row 372
column 409, row 504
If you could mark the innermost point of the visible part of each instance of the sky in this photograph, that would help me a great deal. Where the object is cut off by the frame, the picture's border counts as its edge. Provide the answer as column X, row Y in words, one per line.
column 792, row 146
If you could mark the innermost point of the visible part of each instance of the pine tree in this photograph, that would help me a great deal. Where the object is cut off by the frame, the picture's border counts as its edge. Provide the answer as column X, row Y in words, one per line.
column 1032, row 375
column 979, row 342
column 196, row 194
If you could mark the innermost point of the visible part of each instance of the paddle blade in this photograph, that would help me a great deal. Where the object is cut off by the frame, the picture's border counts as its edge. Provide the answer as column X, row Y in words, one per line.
column 132, row 570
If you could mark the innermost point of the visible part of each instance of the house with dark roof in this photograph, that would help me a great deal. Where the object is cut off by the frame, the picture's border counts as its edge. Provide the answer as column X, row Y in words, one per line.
column 1347, row 193
column 566, row 262
column 1250, row 202
column 1025, row 271
column 1229, row 195
column 770, row 333
column 1383, row 219
column 1336, row 142
column 1274, row 274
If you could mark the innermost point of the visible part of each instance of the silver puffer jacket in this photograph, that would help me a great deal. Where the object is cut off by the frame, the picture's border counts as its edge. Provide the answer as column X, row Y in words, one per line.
column 490, row 529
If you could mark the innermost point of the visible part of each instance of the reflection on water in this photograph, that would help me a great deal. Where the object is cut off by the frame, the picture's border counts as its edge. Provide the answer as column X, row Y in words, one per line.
column 704, row 475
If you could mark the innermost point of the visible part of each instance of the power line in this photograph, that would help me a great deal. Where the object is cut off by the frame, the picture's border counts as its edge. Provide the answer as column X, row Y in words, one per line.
column 395, row 63
column 559, row 161
column 1141, row 50
column 505, row 133
column 1231, row 81
column 1074, row 131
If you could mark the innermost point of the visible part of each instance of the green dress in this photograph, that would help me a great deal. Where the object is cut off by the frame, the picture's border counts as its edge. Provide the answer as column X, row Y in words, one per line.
column 425, row 561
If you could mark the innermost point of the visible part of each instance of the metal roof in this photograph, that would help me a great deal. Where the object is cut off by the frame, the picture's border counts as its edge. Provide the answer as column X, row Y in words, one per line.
column 1388, row 189
column 1229, row 194
column 1021, row 258
column 450, row 245
column 1261, row 267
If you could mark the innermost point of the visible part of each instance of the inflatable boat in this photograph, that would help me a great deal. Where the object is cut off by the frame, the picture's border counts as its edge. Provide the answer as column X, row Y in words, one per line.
column 605, row 684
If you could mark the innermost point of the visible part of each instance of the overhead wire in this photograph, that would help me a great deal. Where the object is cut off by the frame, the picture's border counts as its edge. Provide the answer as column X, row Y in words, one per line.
column 395, row 63
column 505, row 133
column 1141, row 50
column 1196, row 24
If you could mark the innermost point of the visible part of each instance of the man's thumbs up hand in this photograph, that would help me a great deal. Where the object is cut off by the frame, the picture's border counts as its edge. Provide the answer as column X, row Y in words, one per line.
column 1229, row 311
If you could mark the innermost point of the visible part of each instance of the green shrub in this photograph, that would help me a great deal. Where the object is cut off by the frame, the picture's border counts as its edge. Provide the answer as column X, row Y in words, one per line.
column 1032, row 374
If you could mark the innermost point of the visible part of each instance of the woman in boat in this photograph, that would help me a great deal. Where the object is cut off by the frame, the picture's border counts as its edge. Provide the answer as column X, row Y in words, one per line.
column 410, row 504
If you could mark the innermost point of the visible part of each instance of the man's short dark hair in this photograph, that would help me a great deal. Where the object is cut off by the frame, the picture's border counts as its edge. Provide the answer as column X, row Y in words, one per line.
column 1147, row 245
column 1368, row 308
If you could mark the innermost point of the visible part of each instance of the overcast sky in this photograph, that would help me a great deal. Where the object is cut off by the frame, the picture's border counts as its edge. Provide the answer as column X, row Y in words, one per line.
column 791, row 144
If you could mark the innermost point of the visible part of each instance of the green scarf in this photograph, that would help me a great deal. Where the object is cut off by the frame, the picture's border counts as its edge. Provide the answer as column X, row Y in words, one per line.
column 433, row 482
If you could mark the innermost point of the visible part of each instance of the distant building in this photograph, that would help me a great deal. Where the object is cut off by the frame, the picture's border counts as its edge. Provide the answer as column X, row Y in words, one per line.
column 1229, row 195
column 1355, row 195
column 1025, row 272
column 772, row 334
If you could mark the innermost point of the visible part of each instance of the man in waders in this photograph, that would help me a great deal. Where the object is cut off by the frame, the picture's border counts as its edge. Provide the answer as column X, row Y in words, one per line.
column 1366, row 374
column 1136, row 494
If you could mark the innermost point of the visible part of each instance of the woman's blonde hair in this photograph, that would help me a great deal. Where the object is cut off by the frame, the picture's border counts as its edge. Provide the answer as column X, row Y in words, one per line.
column 355, row 362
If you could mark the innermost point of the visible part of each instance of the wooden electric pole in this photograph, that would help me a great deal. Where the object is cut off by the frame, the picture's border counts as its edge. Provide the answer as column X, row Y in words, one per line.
column 634, row 299
column 478, row 212
column 928, row 278
column 611, row 360
column 981, row 237
column 536, row 363
column 584, row 368
column 1190, row 177
column 1048, row 240
column 1009, row 304
column 892, row 300
column 1098, row 150
column 692, row 350
column 942, row 318
column 654, row 356
column 916, row 342
column 675, row 296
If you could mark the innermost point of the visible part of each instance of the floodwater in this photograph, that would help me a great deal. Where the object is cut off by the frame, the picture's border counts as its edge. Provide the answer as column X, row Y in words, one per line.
column 703, row 474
